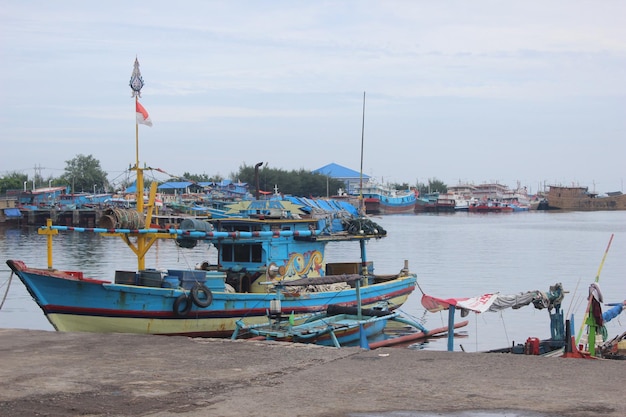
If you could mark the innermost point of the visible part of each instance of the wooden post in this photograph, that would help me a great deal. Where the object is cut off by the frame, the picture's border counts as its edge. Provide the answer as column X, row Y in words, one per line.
column 451, row 311
column 49, row 232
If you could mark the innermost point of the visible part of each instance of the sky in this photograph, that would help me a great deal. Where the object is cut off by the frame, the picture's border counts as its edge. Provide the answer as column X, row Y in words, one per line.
column 530, row 93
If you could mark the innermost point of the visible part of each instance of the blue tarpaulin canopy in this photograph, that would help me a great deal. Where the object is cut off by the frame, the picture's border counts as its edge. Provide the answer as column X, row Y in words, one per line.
column 12, row 212
column 175, row 185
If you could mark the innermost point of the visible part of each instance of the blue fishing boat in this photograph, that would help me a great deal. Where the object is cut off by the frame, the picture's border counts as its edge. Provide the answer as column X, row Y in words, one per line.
column 337, row 326
column 252, row 250
column 326, row 329
column 383, row 199
column 257, row 241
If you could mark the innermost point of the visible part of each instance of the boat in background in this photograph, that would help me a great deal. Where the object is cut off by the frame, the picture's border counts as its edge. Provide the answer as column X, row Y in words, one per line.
column 426, row 202
column 383, row 199
column 580, row 199
column 489, row 206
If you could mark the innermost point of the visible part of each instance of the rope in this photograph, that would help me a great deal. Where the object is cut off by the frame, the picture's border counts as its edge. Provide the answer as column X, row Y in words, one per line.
column 7, row 291
column 506, row 334
column 476, row 332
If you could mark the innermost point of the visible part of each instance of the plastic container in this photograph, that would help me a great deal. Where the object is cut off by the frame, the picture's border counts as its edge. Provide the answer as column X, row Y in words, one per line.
column 126, row 277
column 188, row 278
column 215, row 281
column 151, row 278
column 171, row 282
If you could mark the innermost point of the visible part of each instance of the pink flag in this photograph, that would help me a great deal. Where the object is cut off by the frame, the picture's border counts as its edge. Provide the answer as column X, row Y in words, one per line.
column 142, row 115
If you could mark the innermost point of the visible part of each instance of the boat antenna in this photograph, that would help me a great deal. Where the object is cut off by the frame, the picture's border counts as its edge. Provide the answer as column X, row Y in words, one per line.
column 361, row 208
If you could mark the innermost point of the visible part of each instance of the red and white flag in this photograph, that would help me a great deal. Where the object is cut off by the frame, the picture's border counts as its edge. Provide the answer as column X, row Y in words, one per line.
column 478, row 304
column 142, row 115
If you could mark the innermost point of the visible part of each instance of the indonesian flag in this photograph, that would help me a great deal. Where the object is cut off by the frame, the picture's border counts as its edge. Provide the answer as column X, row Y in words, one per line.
column 142, row 115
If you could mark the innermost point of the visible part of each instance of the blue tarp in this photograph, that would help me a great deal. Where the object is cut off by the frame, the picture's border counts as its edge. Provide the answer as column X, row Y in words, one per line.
column 12, row 212
column 177, row 185
column 334, row 170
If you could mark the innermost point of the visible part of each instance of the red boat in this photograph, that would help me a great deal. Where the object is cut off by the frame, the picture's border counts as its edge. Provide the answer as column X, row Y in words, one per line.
column 490, row 207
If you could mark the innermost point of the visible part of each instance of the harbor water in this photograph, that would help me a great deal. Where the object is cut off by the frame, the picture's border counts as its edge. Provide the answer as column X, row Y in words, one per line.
column 454, row 255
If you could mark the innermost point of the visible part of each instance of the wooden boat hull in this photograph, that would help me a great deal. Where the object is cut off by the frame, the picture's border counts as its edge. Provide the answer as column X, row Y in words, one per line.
column 579, row 199
column 414, row 337
column 76, row 304
column 490, row 208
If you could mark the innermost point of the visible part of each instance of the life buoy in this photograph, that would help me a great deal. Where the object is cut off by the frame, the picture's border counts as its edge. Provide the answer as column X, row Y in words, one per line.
column 201, row 300
column 186, row 302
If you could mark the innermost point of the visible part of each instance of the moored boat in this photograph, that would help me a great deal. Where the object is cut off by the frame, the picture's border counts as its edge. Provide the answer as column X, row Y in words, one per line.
column 337, row 326
column 489, row 207
column 382, row 199
column 579, row 198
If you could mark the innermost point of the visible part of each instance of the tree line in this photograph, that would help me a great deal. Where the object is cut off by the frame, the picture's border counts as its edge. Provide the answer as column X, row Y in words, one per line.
column 83, row 173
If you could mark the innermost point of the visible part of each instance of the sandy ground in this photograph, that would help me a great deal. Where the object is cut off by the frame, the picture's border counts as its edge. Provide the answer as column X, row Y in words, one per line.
column 69, row 374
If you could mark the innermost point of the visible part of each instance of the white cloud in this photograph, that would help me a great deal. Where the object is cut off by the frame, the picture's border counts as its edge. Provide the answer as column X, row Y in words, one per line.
column 443, row 80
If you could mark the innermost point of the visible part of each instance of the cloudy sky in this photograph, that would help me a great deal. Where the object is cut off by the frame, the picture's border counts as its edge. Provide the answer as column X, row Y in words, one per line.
column 461, row 91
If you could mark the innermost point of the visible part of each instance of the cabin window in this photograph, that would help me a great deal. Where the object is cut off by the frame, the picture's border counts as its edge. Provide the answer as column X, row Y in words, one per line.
column 240, row 228
column 242, row 252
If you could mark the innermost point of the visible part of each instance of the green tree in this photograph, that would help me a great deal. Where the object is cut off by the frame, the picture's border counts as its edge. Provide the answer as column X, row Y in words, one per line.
column 12, row 181
column 201, row 177
column 401, row 186
column 296, row 182
column 434, row 186
column 83, row 173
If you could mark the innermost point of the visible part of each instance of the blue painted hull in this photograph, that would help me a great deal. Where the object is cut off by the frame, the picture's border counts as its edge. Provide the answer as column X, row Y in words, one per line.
column 81, row 304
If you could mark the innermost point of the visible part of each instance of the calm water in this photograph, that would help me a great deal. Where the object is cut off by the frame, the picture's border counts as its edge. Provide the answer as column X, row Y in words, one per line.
column 454, row 255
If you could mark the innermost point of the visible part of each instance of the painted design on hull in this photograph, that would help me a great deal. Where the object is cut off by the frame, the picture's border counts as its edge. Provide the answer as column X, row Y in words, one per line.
column 303, row 264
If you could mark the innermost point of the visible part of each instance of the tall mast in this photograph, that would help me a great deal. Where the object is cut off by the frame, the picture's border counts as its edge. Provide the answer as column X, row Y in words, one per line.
column 361, row 203
column 136, row 84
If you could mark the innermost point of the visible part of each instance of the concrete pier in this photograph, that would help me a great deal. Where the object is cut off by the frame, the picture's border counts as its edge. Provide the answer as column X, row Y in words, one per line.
column 67, row 374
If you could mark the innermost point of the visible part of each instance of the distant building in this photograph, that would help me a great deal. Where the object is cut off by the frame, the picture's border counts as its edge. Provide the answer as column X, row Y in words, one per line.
column 225, row 189
column 492, row 191
column 350, row 178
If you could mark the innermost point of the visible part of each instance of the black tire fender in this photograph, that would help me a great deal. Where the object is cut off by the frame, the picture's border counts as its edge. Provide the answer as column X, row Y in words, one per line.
column 186, row 303
column 198, row 299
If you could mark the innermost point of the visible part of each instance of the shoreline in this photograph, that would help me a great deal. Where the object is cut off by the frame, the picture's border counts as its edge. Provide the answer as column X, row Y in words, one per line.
column 61, row 374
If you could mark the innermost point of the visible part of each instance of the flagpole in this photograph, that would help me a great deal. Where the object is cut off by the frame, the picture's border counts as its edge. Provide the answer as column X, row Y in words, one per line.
column 136, row 84
column 136, row 136
column 139, row 171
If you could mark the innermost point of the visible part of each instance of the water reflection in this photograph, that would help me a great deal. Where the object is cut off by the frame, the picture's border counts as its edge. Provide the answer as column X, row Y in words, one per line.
column 454, row 255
